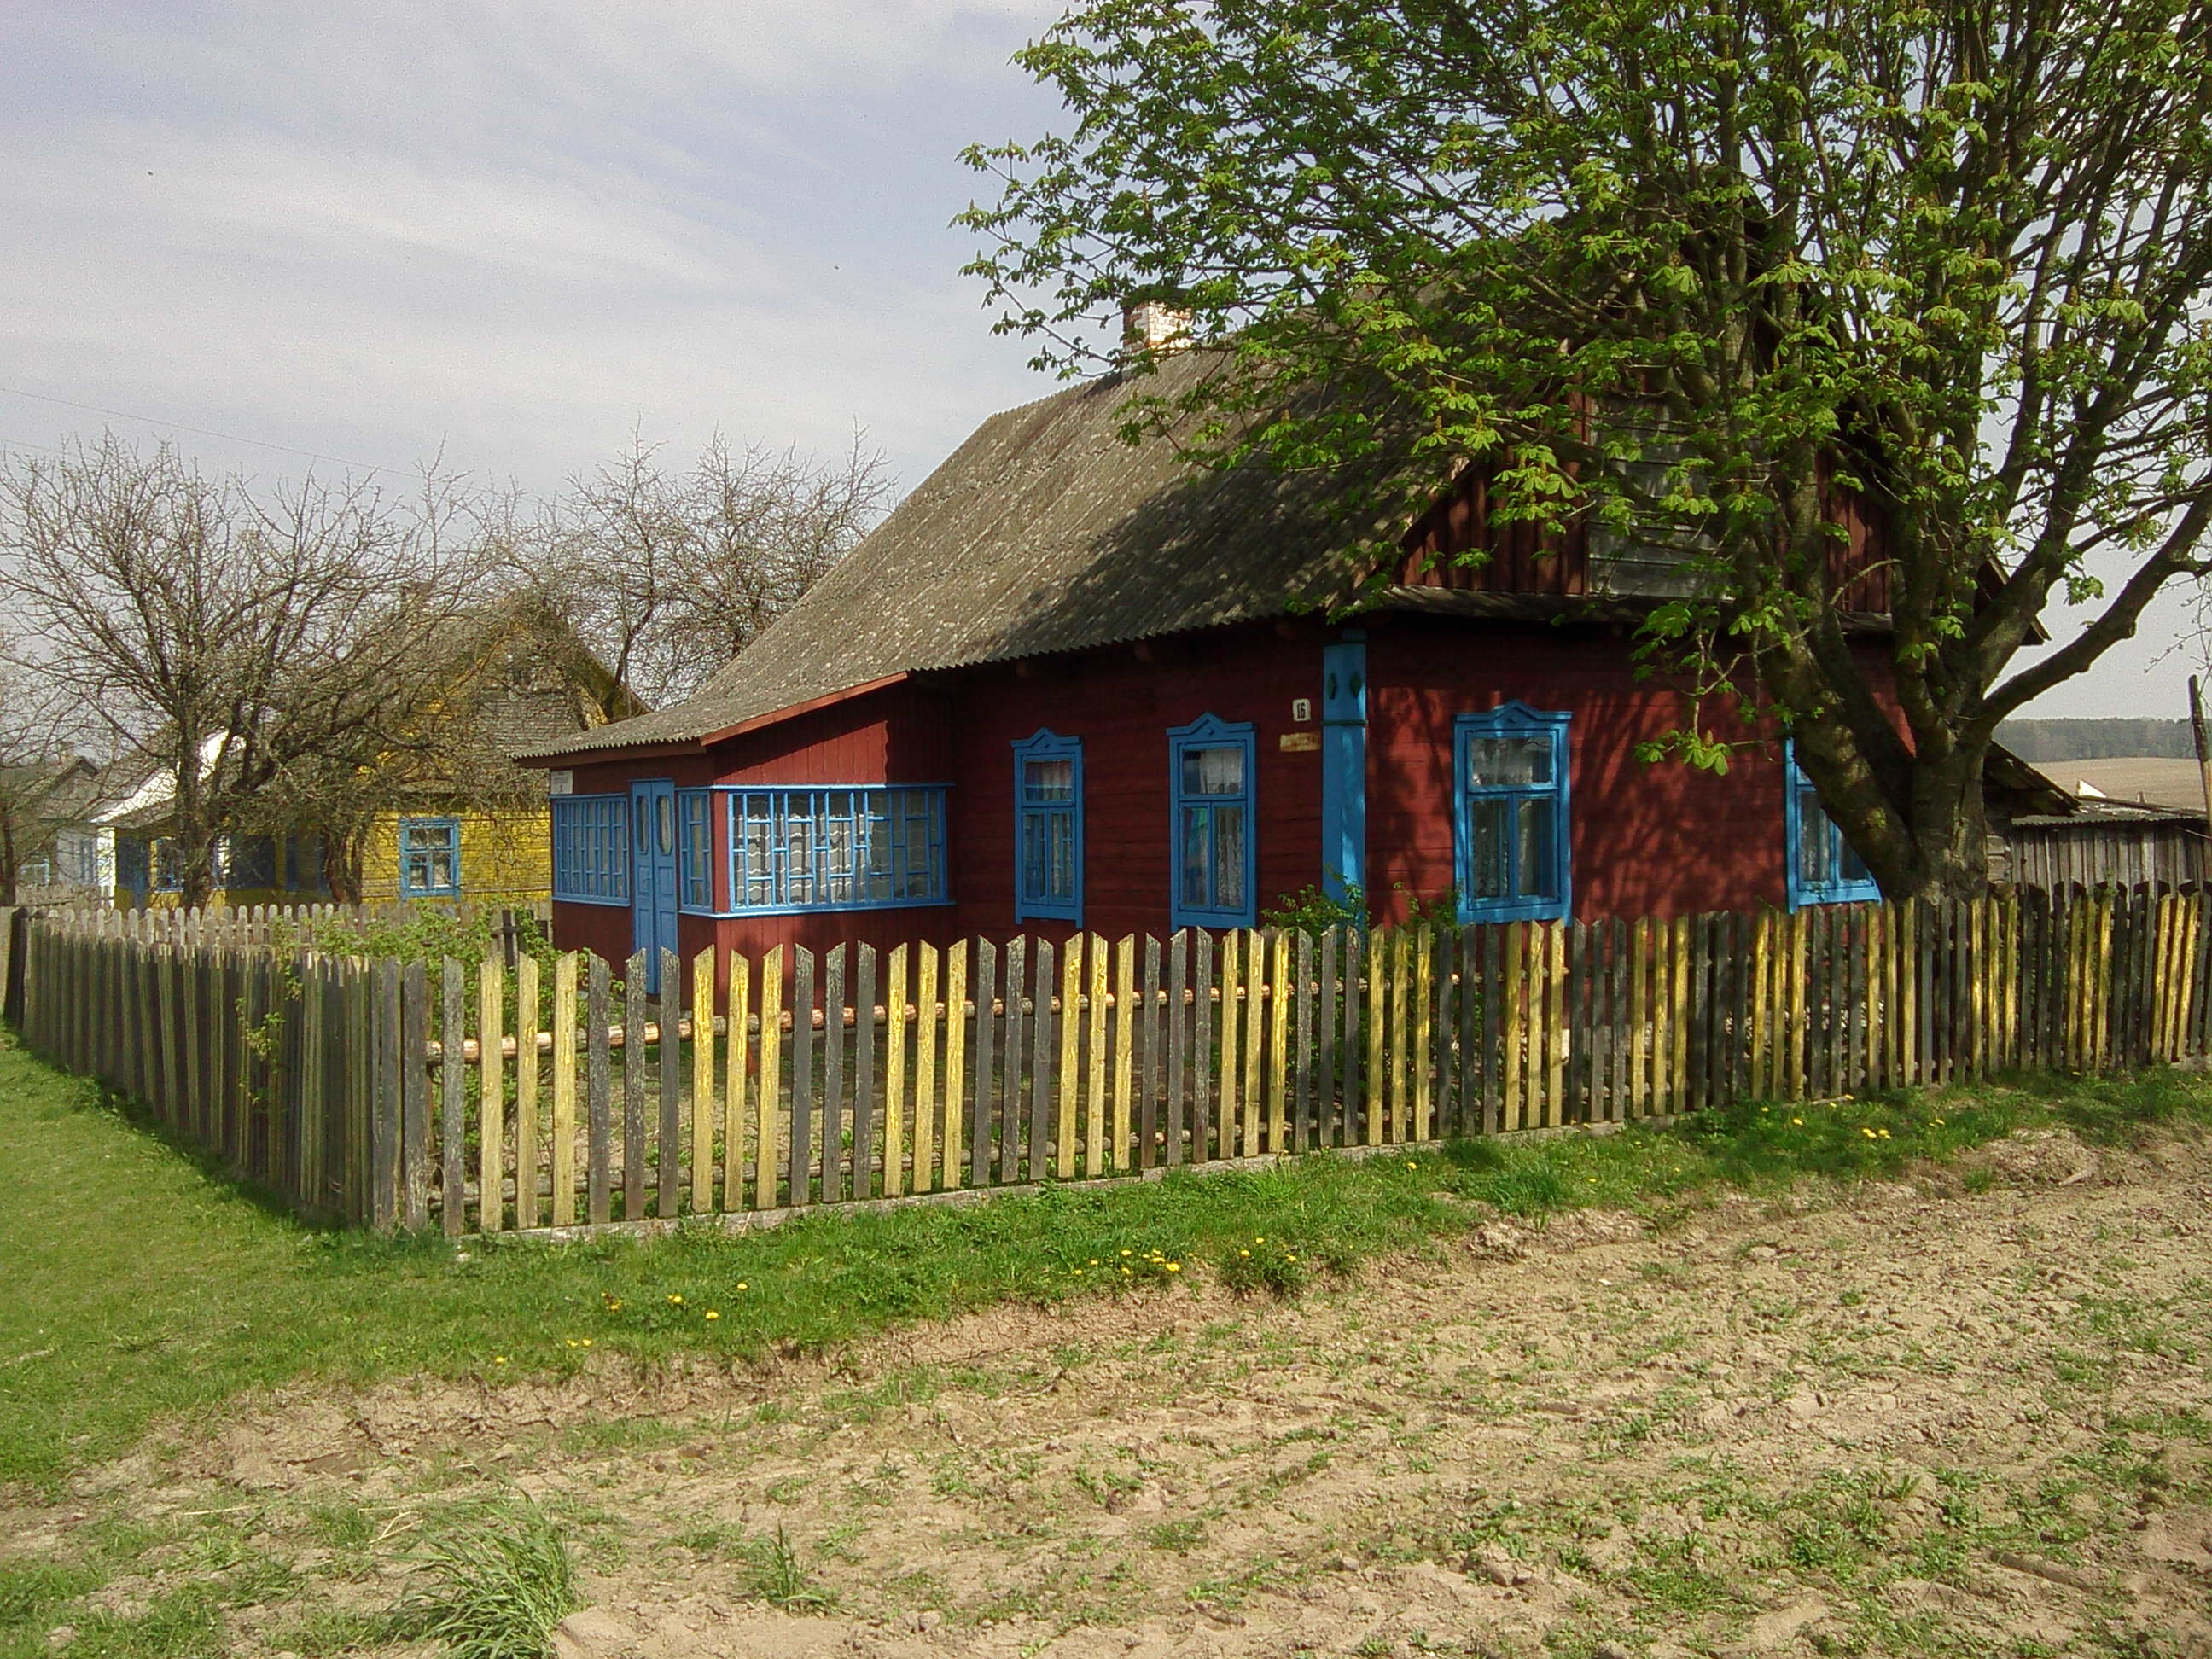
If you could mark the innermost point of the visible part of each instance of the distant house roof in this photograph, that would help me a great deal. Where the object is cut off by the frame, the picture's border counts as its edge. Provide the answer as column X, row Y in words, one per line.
column 1045, row 532
column 2152, row 780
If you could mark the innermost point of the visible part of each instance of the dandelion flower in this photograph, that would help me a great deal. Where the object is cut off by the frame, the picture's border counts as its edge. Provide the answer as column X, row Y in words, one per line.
column 711, row 1314
column 1799, row 1121
column 586, row 1343
column 1079, row 1273
column 1128, row 1252
column 1937, row 1121
column 1175, row 1267
column 499, row 1359
column 1094, row 1260
column 741, row 1284
column 1243, row 1252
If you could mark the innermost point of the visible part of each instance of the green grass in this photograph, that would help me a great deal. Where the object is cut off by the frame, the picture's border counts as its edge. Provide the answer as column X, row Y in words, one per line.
column 137, row 1287
column 492, row 1585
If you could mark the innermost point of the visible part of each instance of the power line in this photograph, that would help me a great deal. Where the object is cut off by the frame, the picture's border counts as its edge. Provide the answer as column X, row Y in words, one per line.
column 197, row 431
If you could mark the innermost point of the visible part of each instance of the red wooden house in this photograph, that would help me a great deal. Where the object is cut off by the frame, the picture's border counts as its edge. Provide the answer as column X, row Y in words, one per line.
column 1071, row 683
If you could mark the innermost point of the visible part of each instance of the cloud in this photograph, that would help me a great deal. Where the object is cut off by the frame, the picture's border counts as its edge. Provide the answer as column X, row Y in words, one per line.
column 511, row 228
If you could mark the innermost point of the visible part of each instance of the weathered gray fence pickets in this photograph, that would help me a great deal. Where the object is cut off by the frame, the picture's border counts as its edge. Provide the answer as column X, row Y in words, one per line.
column 534, row 1093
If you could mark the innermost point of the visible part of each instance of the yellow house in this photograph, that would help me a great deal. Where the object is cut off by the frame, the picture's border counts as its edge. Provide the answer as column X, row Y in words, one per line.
column 528, row 680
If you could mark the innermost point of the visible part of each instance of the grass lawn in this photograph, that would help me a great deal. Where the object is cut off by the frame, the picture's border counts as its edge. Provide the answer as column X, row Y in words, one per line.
column 135, row 1287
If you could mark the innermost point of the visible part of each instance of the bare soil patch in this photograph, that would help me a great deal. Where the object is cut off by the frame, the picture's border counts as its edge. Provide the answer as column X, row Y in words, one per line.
column 1918, row 1420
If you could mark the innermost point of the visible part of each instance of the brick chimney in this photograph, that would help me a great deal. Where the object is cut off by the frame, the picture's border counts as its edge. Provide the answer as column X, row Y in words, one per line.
column 1149, row 326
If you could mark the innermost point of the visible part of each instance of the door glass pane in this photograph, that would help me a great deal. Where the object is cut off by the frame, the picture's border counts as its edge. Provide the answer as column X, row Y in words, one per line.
column 1213, row 771
column 1536, row 849
column 1044, row 780
column 1060, row 882
column 1508, row 763
column 1229, row 857
column 1487, row 849
column 644, row 823
column 667, row 823
column 1848, row 862
column 1812, row 842
column 1198, row 857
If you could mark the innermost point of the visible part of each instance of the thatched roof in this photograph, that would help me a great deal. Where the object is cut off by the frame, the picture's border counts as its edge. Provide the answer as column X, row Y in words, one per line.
column 1045, row 532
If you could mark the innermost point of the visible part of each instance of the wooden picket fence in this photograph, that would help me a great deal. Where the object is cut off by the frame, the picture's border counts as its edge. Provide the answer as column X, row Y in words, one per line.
column 497, row 1095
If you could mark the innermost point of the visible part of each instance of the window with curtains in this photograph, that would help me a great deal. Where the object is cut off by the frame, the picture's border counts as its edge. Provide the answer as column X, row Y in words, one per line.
column 859, row 847
column 1822, row 867
column 1048, row 828
column 429, row 857
column 1510, row 768
column 1210, row 774
column 591, row 849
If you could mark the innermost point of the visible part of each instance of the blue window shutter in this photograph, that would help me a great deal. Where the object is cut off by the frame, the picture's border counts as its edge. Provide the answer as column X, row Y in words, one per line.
column 1512, row 831
column 1048, row 828
column 1212, row 824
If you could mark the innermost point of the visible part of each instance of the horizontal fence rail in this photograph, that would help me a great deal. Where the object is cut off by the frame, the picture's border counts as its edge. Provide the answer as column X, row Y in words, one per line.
column 532, row 1090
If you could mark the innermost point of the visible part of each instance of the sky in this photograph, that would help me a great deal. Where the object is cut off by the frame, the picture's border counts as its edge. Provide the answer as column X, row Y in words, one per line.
column 510, row 232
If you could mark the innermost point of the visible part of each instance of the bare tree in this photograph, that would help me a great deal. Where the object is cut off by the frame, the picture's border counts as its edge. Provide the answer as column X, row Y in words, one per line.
column 669, row 574
column 236, row 639
column 45, row 779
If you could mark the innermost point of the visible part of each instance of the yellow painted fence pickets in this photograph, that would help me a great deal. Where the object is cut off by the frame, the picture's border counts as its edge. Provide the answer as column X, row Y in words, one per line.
column 520, row 1092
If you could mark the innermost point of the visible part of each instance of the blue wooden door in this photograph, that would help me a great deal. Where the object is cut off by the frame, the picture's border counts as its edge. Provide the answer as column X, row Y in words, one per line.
column 1344, row 765
column 652, row 873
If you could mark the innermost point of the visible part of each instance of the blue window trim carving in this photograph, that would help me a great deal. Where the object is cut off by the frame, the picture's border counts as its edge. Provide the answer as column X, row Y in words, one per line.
column 1046, row 745
column 828, row 842
column 591, row 849
column 416, row 845
column 1210, row 732
column 1510, row 719
column 1835, row 854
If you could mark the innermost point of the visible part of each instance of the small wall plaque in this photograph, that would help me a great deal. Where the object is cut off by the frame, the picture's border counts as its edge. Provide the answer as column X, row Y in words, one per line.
column 1291, row 742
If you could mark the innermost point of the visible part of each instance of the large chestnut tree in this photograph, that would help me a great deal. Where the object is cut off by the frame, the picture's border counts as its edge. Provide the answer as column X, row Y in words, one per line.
column 1659, row 265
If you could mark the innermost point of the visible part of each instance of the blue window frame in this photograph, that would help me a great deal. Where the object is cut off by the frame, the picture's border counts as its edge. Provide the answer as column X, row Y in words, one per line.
column 1509, row 802
column 1210, row 776
column 591, row 849
column 168, row 865
column 133, row 865
column 1048, row 828
column 841, row 847
column 695, row 850
column 247, row 862
column 429, row 857
column 1822, row 869
column 303, row 862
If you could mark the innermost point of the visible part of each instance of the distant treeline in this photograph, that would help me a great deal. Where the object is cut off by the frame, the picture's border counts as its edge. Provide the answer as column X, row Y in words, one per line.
column 2087, row 739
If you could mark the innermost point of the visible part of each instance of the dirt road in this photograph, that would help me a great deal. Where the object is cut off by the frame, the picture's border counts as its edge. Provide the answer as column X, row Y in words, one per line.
column 1905, row 1420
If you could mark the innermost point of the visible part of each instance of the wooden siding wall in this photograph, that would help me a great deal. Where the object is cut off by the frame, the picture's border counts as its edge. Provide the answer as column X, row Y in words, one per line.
column 1661, row 840
column 498, row 1096
column 2097, row 854
column 1521, row 560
